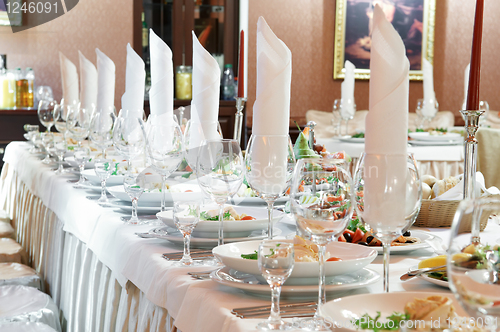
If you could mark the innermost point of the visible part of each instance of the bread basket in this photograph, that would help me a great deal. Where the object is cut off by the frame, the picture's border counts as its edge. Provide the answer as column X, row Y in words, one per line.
column 434, row 214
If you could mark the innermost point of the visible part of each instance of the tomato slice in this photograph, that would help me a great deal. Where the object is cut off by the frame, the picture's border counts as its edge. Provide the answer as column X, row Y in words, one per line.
column 349, row 231
column 342, row 238
column 248, row 218
column 333, row 259
column 358, row 236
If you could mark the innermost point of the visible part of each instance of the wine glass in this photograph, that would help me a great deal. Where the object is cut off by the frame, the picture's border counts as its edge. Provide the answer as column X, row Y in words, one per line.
column 269, row 163
column 46, row 113
column 194, row 135
column 82, row 156
column 186, row 217
column 134, row 184
column 321, row 204
column 220, row 173
column 78, row 121
column 484, row 106
column 276, row 260
column 337, row 119
column 60, row 147
column 346, row 109
column 31, row 132
column 103, row 169
column 60, row 115
column 164, row 150
column 47, row 140
column 473, row 268
column 388, row 194
column 428, row 109
column 101, row 128
column 128, row 137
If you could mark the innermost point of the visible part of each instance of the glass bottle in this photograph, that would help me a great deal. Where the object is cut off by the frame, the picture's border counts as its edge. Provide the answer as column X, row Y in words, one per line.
column 8, row 86
column 183, row 87
column 28, row 97
column 228, row 87
column 21, row 83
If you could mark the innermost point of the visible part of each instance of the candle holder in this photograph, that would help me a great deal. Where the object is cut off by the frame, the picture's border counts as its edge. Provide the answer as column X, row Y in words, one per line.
column 471, row 126
column 238, row 119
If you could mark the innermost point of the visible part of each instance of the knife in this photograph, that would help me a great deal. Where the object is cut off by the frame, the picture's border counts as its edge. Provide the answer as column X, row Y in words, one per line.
column 414, row 273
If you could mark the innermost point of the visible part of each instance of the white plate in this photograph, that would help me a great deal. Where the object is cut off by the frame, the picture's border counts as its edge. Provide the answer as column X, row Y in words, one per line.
column 423, row 236
column 352, row 139
column 249, row 283
column 237, row 228
column 354, row 257
column 434, row 281
column 175, row 236
column 113, row 180
column 435, row 143
column 428, row 137
column 345, row 309
column 127, row 207
column 154, row 198
column 95, row 188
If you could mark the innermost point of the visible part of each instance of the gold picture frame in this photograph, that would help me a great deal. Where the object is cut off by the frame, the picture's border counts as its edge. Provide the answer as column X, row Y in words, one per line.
column 353, row 22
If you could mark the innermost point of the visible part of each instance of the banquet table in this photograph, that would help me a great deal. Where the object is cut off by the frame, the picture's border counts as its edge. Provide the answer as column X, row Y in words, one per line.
column 440, row 161
column 103, row 277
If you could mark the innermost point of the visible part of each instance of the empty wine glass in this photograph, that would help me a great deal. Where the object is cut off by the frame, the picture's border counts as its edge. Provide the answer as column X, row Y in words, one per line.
column 164, row 150
column 269, row 163
column 186, row 217
column 82, row 156
column 101, row 128
column 346, row 109
column 194, row 135
column 337, row 119
column 103, row 169
column 46, row 113
column 134, row 184
column 321, row 204
column 484, row 106
column 427, row 110
column 128, row 137
column 276, row 261
column 220, row 173
column 78, row 122
column 31, row 132
column 60, row 149
column 388, row 196
column 47, row 139
column 44, row 92
column 60, row 115
column 472, row 267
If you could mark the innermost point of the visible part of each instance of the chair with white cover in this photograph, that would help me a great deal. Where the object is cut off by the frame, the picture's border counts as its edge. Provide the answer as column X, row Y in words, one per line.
column 325, row 128
column 488, row 158
column 27, row 304
column 11, row 251
column 19, row 274
column 25, row 327
column 443, row 119
column 4, row 216
column 6, row 230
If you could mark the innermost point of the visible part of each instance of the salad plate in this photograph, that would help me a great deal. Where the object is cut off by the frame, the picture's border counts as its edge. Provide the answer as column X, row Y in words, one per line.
column 426, row 277
column 435, row 143
column 425, row 136
column 91, row 186
column 423, row 236
column 127, row 207
column 113, row 180
column 343, row 311
column 178, row 191
column 353, row 258
column 234, row 228
column 250, row 284
column 349, row 139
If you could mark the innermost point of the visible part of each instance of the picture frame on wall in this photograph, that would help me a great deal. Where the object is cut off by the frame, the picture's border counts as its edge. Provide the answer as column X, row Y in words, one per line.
column 413, row 19
column 11, row 12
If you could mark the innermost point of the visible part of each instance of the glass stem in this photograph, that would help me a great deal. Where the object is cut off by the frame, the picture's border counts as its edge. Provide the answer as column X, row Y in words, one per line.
column 387, row 253
column 187, row 242
column 81, row 167
column 270, row 206
column 79, row 144
column 60, row 160
column 322, row 289
column 163, row 192
column 135, row 200
column 129, row 166
column 103, row 152
column 221, row 225
column 346, row 128
column 274, row 317
column 103, row 189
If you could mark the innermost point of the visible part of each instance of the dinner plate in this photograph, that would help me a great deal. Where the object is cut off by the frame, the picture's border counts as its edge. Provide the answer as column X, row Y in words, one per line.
column 154, row 198
column 91, row 186
column 423, row 236
column 354, row 257
column 350, row 139
column 174, row 236
column 435, row 143
column 424, row 136
column 113, row 180
column 127, row 207
column 343, row 310
column 250, row 284
column 434, row 281
column 237, row 228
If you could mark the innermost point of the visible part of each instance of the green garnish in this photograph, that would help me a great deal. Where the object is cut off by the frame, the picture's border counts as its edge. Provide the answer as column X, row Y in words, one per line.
column 392, row 323
column 355, row 224
column 187, row 175
column 205, row 216
column 71, row 148
column 418, row 130
column 359, row 135
column 253, row 256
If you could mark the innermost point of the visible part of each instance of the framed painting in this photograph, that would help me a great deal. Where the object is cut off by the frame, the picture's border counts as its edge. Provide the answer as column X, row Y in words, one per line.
column 412, row 19
column 11, row 12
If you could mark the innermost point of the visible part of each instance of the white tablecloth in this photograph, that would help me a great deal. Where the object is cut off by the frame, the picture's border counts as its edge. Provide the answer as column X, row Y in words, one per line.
column 105, row 278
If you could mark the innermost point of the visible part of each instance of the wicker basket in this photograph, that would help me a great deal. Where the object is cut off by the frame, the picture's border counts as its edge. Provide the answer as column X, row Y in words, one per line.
column 435, row 214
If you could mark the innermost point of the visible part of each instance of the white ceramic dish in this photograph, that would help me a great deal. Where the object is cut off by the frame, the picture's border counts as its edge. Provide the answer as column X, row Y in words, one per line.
column 154, row 198
column 435, row 143
column 238, row 228
column 346, row 309
column 354, row 257
column 352, row 139
column 91, row 186
column 113, row 180
column 250, row 284
column 423, row 236
column 434, row 281
column 424, row 136
column 127, row 207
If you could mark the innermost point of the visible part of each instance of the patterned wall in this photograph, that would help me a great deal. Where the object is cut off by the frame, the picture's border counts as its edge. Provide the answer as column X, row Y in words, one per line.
column 90, row 24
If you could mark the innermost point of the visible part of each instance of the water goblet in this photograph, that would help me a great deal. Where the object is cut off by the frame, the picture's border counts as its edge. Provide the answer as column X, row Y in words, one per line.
column 194, row 135
column 388, row 194
column 60, row 149
column 82, row 156
column 78, row 122
column 47, row 142
column 473, row 267
column 220, row 173
column 31, row 132
column 347, row 109
column 134, row 184
column 46, row 113
column 101, row 128
column 128, row 137
column 276, row 261
column 103, row 169
column 484, row 106
column 337, row 119
column 60, row 116
column 321, row 204
column 186, row 216
column 428, row 109
column 269, row 163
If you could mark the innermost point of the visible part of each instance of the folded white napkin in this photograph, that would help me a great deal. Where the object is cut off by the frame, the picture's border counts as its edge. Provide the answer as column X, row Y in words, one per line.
column 429, row 109
column 105, row 81
column 389, row 87
column 88, row 83
column 135, row 80
column 466, row 86
column 457, row 192
column 69, row 79
column 347, row 90
column 161, row 94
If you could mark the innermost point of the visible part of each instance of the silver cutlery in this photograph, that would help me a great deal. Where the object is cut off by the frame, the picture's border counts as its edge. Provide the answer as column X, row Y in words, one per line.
column 414, row 273
column 306, row 309
column 196, row 254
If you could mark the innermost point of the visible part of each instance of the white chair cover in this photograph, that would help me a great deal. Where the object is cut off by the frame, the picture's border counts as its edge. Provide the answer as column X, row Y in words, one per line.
column 11, row 251
column 19, row 274
column 4, row 216
column 27, row 304
column 25, row 327
column 6, row 230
